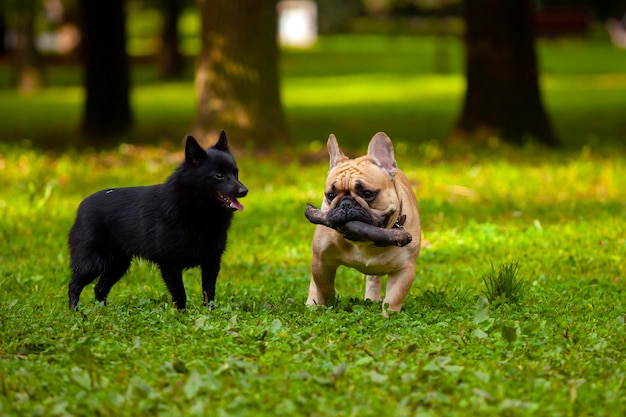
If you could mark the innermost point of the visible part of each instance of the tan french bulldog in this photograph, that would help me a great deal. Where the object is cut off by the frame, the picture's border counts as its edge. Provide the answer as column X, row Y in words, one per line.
column 369, row 189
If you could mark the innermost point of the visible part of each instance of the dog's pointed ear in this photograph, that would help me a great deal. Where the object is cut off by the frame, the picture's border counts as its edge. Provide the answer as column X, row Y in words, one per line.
column 222, row 142
column 336, row 154
column 380, row 150
column 193, row 151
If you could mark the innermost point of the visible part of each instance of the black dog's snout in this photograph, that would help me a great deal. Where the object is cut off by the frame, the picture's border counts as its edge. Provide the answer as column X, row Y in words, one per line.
column 242, row 191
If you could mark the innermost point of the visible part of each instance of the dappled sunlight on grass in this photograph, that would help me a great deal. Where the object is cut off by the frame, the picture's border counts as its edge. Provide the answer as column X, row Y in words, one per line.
column 370, row 89
column 47, row 96
column 586, row 82
column 523, row 184
column 52, row 114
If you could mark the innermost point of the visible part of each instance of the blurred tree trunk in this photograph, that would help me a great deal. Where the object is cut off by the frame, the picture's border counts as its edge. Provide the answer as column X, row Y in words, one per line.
column 107, row 113
column 171, row 59
column 27, row 62
column 237, row 81
column 503, row 98
column 3, row 34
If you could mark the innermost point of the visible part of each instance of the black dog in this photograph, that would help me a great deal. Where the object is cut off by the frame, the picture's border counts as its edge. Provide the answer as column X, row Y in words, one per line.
column 180, row 224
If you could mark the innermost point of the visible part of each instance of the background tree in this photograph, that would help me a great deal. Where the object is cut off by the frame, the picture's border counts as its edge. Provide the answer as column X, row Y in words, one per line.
column 107, row 112
column 27, row 63
column 171, row 59
column 503, row 96
column 237, row 80
column 3, row 34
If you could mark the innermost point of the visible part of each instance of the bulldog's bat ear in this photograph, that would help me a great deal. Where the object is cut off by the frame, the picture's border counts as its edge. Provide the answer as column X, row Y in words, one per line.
column 380, row 150
column 336, row 154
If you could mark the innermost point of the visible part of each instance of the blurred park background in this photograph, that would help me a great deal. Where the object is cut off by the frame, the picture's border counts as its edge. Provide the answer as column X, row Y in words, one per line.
column 283, row 75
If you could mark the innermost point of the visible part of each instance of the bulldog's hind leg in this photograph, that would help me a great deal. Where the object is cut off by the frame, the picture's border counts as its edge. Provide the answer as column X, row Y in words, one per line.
column 398, row 287
column 372, row 287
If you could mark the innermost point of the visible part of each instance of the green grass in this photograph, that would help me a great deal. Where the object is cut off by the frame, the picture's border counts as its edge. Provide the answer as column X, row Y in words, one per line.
column 557, row 349
column 505, row 284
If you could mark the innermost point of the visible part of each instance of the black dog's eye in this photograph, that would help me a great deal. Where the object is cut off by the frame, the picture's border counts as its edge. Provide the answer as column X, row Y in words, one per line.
column 330, row 196
column 219, row 176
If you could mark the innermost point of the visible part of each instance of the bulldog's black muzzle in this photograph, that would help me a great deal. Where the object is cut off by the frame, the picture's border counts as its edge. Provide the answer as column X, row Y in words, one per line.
column 347, row 210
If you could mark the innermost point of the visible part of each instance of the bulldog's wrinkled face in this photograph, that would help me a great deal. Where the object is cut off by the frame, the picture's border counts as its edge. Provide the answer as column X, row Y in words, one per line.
column 359, row 190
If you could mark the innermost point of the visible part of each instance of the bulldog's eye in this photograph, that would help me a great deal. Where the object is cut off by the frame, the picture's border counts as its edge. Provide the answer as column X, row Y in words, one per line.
column 330, row 196
column 219, row 176
column 368, row 195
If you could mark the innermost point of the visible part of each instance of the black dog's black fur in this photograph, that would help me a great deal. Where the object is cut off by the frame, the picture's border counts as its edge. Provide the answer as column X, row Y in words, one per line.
column 180, row 224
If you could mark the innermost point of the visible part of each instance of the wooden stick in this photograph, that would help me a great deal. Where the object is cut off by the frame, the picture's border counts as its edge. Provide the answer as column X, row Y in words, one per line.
column 359, row 231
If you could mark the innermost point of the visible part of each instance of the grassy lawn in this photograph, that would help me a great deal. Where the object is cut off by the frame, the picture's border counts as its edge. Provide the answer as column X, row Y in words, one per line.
column 557, row 348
